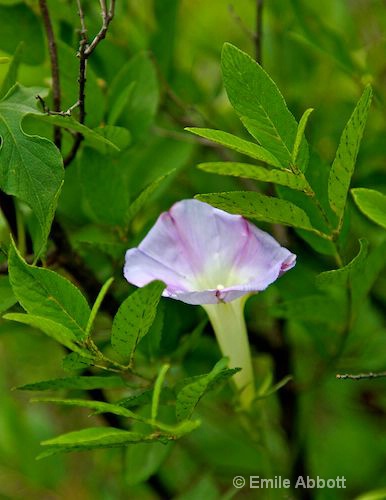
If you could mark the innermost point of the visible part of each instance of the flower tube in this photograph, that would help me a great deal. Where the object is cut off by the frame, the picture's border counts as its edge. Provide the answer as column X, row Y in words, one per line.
column 209, row 257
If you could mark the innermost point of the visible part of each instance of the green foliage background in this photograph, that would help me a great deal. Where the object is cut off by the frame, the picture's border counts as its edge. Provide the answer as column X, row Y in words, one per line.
column 158, row 72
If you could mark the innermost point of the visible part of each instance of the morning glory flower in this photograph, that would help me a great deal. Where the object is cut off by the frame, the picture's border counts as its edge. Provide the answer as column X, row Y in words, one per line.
column 209, row 257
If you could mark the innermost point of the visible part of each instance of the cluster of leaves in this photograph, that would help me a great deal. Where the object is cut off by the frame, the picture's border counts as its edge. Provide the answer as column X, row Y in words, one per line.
column 56, row 307
column 311, row 198
column 126, row 358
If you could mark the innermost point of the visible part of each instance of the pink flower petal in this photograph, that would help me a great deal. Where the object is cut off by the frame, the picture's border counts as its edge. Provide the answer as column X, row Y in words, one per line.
column 205, row 255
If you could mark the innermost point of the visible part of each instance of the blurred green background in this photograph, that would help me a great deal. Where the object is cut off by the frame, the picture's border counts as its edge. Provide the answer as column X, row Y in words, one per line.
column 321, row 54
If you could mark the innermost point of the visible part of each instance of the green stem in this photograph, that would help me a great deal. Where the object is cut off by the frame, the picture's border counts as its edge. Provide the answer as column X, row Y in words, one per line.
column 229, row 326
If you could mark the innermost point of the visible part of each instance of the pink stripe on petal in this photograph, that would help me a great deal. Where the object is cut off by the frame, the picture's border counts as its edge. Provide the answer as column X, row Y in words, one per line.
column 206, row 255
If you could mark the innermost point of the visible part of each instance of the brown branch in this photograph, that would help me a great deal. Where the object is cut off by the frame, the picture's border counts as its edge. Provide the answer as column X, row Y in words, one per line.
column 360, row 376
column 107, row 17
column 85, row 50
column 53, row 52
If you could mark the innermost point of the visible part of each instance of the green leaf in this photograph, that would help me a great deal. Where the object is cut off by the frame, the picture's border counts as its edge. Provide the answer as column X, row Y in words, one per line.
column 145, row 195
column 189, row 396
column 352, row 276
column 20, row 24
column 81, row 382
column 157, row 390
column 54, row 330
column 143, row 460
column 300, row 134
column 134, row 318
column 268, row 391
column 105, row 188
column 120, row 103
column 76, row 361
column 45, row 293
column 260, row 207
column 11, row 76
column 92, row 438
column 343, row 166
column 145, row 397
column 92, row 137
column 240, row 145
column 97, row 304
column 119, row 136
column 247, row 171
column 98, row 406
column 142, row 101
column 31, row 167
column 341, row 277
column 7, row 297
column 375, row 263
column 259, row 102
column 372, row 203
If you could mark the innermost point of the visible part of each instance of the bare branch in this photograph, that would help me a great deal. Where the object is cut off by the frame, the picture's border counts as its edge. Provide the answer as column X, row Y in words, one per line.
column 53, row 52
column 361, row 376
column 107, row 17
column 85, row 50
column 49, row 111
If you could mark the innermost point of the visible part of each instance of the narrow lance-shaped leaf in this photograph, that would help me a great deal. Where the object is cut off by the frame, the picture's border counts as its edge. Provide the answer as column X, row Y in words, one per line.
column 98, row 406
column 247, row 171
column 92, row 438
column 261, row 106
column 45, row 293
column 260, row 207
column 31, row 167
column 157, row 390
column 109, row 437
column 93, row 138
column 97, row 304
column 240, row 145
column 81, row 382
column 372, row 203
column 300, row 134
column 343, row 166
column 189, row 396
column 52, row 329
column 134, row 318
column 145, row 194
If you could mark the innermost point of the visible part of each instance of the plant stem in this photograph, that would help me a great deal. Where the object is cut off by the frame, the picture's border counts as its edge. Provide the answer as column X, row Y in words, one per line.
column 53, row 52
column 259, row 31
column 229, row 326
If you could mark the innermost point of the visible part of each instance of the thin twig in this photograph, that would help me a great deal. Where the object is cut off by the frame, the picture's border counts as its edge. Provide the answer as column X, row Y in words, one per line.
column 49, row 111
column 360, row 376
column 107, row 17
column 53, row 52
column 85, row 50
